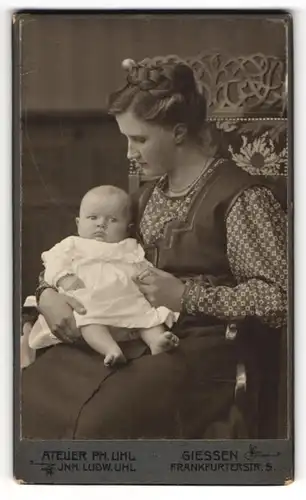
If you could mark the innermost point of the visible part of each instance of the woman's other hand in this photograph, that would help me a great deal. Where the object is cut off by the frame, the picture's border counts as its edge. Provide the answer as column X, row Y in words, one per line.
column 57, row 309
column 161, row 288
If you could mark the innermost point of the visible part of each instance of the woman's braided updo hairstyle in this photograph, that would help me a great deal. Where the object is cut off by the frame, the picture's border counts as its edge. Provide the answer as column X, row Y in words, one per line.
column 163, row 92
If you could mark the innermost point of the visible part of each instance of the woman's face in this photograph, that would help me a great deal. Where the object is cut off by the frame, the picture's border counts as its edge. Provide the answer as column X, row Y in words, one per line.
column 151, row 146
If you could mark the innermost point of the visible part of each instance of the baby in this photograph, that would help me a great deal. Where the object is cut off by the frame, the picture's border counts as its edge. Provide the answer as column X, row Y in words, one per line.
column 97, row 267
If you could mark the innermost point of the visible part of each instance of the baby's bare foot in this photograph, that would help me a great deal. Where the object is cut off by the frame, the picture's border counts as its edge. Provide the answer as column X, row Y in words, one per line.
column 114, row 358
column 164, row 342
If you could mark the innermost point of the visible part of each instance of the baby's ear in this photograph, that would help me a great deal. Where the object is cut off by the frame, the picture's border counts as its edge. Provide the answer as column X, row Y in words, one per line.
column 77, row 220
column 131, row 230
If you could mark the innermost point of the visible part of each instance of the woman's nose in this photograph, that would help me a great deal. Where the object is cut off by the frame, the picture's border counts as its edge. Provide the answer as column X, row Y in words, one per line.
column 132, row 153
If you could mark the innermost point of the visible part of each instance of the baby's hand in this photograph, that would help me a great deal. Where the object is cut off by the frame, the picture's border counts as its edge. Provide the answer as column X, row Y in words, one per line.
column 70, row 282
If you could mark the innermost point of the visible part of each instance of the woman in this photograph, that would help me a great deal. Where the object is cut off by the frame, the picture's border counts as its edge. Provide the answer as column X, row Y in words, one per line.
column 217, row 238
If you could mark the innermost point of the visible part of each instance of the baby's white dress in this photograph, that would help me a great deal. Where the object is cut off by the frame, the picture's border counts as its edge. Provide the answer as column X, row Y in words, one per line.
column 110, row 296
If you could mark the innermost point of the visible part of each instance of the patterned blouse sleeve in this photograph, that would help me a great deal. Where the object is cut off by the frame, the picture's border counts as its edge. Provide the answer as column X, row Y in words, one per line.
column 256, row 229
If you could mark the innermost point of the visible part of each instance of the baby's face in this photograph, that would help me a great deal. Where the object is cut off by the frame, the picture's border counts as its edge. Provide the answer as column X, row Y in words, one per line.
column 104, row 219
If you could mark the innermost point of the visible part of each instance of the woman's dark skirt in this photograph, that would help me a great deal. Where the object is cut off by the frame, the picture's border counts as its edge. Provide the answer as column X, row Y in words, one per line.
column 69, row 394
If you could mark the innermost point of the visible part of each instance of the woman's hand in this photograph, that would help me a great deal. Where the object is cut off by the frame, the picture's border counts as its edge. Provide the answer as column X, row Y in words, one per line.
column 161, row 288
column 57, row 310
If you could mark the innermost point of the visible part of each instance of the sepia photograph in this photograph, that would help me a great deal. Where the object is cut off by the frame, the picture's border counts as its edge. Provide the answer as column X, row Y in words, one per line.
column 153, row 305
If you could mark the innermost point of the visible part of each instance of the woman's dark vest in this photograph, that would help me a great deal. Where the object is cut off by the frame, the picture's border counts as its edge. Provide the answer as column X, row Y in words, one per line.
column 198, row 245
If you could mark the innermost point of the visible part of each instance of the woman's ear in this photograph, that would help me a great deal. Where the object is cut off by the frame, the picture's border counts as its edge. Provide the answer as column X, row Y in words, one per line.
column 179, row 133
